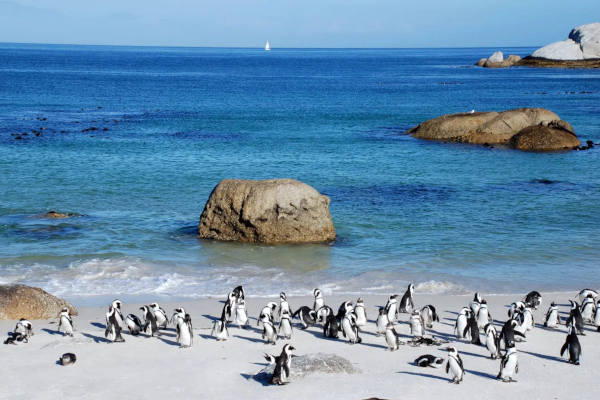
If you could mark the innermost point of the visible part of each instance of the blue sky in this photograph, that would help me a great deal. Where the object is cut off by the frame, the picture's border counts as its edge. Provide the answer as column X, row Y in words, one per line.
column 286, row 23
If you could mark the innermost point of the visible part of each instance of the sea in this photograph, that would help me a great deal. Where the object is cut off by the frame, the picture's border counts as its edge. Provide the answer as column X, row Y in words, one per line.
column 133, row 139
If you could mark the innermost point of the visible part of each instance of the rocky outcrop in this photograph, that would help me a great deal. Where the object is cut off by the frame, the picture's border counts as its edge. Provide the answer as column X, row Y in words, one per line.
column 497, row 60
column 58, row 215
column 308, row 364
column 555, row 136
column 20, row 301
column 494, row 127
column 270, row 211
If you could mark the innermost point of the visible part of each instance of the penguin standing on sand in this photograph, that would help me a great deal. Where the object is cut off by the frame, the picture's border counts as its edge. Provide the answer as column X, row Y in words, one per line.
column 267, row 311
column 492, row 340
column 113, row 329
column 417, row 326
column 407, row 303
column 285, row 325
column 483, row 315
column 588, row 308
column 552, row 316
column 575, row 318
column 454, row 365
column 161, row 316
column 241, row 314
column 476, row 303
column 134, row 324
column 219, row 329
column 150, row 325
column 268, row 334
column 427, row 360
column 473, row 329
column 318, row 303
column 117, row 305
column 229, row 307
column 429, row 315
column 361, row 313
column 572, row 345
column 382, row 321
column 307, row 316
column 349, row 328
column 284, row 306
column 331, row 328
column 508, row 333
column 515, row 308
column 65, row 323
column 391, row 308
column 391, row 338
column 462, row 322
column 509, row 365
column 183, row 326
column 283, row 362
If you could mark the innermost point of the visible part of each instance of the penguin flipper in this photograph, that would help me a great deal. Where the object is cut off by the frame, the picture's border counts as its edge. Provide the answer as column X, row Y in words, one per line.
column 447, row 366
column 563, row 349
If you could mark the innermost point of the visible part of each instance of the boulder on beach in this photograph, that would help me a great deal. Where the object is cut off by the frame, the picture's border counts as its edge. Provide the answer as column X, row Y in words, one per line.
column 555, row 136
column 21, row 301
column 270, row 211
column 490, row 127
column 497, row 60
column 310, row 364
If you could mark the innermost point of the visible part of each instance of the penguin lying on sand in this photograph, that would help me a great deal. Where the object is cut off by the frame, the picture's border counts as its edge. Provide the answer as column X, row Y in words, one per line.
column 307, row 316
column 427, row 360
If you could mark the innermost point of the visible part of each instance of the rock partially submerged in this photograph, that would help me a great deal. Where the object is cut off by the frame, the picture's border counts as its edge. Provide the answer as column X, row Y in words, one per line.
column 21, row 301
column 58, row 215
column 499, row 128
column 317, row 363
column 497, row 60
column 271, row 211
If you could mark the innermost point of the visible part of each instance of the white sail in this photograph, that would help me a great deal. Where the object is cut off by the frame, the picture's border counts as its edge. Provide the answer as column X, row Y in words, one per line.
column 267, row 46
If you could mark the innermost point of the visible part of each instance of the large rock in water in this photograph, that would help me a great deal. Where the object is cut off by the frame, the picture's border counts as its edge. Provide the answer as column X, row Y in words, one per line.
column 20, row 301
column 310, row 364
column 551, row 137
column 497, row 60
column 271, row 211
column 490, row 127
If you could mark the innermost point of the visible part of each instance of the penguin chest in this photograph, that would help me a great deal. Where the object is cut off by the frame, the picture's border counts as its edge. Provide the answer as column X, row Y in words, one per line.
column 490, row 342
column 416, row 327
column 455, row 367
column 286, row 327
column 382, row 322
column 361, row 318
column 348, row 329
column 391, row 339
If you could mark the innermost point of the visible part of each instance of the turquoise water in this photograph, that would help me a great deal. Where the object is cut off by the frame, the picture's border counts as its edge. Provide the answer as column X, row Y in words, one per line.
column 450, row 217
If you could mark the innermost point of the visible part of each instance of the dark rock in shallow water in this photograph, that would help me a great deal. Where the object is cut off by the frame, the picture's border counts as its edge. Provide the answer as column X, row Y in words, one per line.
column 318, row 363
column 58, row 215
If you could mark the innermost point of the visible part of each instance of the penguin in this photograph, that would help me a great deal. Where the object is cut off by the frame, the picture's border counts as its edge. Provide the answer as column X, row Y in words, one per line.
column 183, row 326
column 15, row 337
column 360, row 312
column 113, row 329
column 285, row 325
column 462, row 322
column 284, row 306
column 515, row 308
column 552, row 316
column 588, row 308
column 331, row 328
column 219, row 329
column 134, row 324
column 267, row 311
column 241, row 315
column 307, row 316
column 575, row 317
column 283, row 362
column 533, row 299
column 65, row 323
column 572, row 345
column 318, row 303
column 584, row 293
column 483, row 315
column 508, row 333
column 382, row 321
column 455, row 365
column 67, row 359
column 492, row 340
column 406, row 303
column 417, row 326
column 509, row 365
column 429, row 315
column 391, row 338
column 476, row 303
column 117, row 305
column 391, row 308
column 25, row 328
column 268, row 334
column 229, row 307
column 238, row 293
column 150, row 324
column 161, row 316
column 473, row 329
column 427, row 360
column 527, row 321
column 349, row 328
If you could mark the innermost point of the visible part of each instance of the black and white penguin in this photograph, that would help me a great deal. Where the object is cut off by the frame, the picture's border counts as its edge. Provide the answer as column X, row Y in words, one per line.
column 161, row 316
column 391, row 338
column 476, row 303
column 427, row 360
column 150, row 324
column 349, row 328
column 492, row 340
column 113, row 329
column 134, row 324
column 508, row 333
column 238, row 293
column 585, row 292
column 515, row 308
column 552, row 317
column 533, row 299
column 15, row 337
column 219, row 329
column 417, row 325
column 509, row 365
column 473, row 329
column 392, row 308
column 306, row 315
column 229, row 307
column 331, row 327
column 429, row 315
column 382, row 321
column 284, row 306
column 483, row 315
column 454, row 365
column 572, row 345
column 283, row 362
column 285, row 325
column 526, row 321
column 360, row 312
column 241, row 314
column 67, row 359
column 183, row 326
column 65, row 323
column 25, row 328
column 269, row 334
column 407, row 304
column 118, row 306
column 462, row 322
column 575, row 317
column 267, row 311
column 588, row 308
column 318, row 303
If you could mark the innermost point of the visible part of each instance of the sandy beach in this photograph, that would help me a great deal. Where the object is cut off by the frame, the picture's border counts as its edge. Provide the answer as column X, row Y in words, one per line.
column 144, row 367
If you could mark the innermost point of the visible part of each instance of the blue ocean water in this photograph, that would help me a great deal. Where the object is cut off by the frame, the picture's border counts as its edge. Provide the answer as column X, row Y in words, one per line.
column 449, row 217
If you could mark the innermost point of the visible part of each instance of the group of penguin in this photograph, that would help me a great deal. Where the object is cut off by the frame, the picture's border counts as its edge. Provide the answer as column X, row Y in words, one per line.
column 349, row 320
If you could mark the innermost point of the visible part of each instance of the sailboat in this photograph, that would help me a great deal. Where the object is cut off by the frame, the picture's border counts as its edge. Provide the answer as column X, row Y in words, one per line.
column 267, row 46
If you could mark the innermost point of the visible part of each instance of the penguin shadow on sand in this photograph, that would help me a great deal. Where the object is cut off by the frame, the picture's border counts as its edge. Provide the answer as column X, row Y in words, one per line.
column 97, row 339
column 51, row 332
column 168, row 341
column 544, row 356
column 212, row 318
column 425, row 375
column 468, row 353
column 98, row 325
column 480, row 374
column 250, row 339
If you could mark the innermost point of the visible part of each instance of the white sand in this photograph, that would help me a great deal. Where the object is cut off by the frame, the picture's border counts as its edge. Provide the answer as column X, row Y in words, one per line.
column 143, row 367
